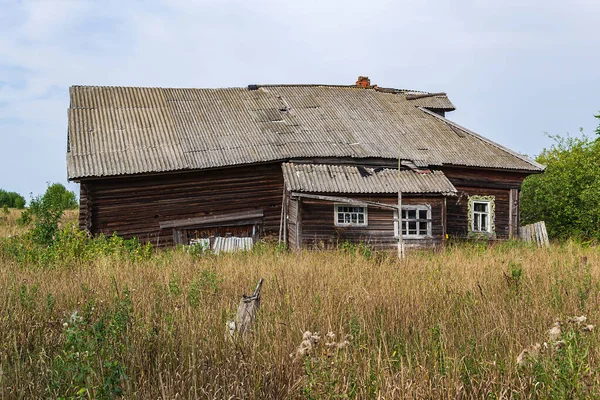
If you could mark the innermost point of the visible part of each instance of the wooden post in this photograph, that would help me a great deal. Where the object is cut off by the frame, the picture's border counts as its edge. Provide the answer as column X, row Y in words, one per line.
column 246, row 313
column 281, row 217
column 400, row 242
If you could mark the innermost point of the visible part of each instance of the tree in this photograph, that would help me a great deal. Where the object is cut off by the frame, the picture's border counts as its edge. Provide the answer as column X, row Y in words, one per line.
column 58, row 196
column 567, row 195
column 11, row 199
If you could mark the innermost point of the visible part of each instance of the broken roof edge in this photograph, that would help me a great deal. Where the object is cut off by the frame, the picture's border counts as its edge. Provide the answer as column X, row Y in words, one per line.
column 321, row 178
column 267, row 85
column 538, row 167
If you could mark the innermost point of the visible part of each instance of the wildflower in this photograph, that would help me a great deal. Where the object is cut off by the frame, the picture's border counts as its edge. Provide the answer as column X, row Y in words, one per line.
column 578, row 320
column 65, row 325
column 529, row 353
column 554, row 332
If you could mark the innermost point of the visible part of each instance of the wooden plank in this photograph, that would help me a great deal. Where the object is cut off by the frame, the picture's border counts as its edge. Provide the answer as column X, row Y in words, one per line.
column 511, row 222
column 299, row 225
column 212, row 219
column 347, row 200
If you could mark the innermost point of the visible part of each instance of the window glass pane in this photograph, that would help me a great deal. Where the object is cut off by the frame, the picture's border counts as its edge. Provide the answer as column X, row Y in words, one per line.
column 361, row 218
column 347, row 218
column 482, row 207
column 484, row 222
column 422, row 214
column 340, row 218
column 412, row 214
column 422, row 228
column 476, row 222
column 403, row 229
column 412, row 226
column 403, row 214
column 354, row 218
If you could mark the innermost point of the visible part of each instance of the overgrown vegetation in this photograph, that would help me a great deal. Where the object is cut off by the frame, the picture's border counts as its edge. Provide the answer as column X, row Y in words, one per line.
column 11, row 200
column 567, row 195
column 105, row 317
column 46, row 211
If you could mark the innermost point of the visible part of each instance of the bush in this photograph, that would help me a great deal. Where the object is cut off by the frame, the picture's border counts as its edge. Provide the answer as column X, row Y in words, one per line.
column 47, row 211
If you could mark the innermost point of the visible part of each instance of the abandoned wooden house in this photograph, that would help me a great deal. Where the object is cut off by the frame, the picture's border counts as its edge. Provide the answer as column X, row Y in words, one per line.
column 311, row 165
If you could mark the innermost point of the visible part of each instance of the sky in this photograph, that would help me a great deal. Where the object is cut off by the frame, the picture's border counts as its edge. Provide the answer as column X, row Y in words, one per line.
column 516, row 70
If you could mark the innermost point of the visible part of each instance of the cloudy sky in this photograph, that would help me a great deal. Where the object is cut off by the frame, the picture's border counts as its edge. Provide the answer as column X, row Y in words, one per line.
column 514, row 69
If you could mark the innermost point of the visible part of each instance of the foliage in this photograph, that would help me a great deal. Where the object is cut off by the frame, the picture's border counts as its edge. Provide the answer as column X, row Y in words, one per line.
column 11, row 199
column 59, row 197
column 565, row 374
column 46, row 212
column 70, row 247
column 96, row 338
column 567, row 195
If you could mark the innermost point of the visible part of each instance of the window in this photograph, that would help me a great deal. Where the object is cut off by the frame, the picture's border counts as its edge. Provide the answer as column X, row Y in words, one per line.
column 416, row 221
column 481, row 216
column 349, row 215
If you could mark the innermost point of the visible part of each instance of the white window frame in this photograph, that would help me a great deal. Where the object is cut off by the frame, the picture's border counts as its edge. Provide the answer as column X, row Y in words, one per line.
column 405, row 221
column 488, row 213
column 336, row 211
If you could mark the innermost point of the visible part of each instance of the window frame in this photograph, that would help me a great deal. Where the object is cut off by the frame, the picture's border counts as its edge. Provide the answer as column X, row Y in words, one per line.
column 336, row 212
column 491, row 228
column 428, row 221
column 488, row 213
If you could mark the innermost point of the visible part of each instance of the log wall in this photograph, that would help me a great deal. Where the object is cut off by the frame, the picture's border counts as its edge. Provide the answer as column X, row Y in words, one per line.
column 134, row 206
column 471, row 182
column 319, row 230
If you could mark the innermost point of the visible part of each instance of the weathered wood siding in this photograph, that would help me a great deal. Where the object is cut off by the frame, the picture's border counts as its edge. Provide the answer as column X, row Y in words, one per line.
column 473, row 182
column 293, row 227
column 319, row 230
column 134, row 206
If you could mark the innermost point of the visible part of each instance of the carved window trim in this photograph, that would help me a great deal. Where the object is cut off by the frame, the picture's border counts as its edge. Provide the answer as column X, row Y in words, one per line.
column 491, row 212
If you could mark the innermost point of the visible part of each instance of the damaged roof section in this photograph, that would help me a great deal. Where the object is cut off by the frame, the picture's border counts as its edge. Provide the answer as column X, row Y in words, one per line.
column 322, row 178
column 127, row 130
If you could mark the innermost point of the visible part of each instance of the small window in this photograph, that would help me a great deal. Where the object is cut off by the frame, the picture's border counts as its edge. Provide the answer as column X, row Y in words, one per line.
column 416, row 221
column 350, row 215
column 481, row 216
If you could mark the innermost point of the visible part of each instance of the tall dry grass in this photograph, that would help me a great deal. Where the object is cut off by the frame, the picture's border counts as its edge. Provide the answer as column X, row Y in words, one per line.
column 445, row 325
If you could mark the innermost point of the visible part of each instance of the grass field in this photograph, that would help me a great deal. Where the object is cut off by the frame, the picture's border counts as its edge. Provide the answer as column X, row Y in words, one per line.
column 103, row 318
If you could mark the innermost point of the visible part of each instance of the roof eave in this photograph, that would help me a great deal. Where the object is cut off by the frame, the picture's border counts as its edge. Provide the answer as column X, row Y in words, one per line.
column 538, row 167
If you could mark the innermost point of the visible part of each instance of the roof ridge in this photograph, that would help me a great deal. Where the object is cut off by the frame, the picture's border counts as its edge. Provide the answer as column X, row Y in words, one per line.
column 267, row 85
column 484, row 139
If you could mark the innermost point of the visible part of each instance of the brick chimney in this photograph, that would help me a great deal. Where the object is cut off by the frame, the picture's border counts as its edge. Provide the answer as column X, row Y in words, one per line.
column 363, row 81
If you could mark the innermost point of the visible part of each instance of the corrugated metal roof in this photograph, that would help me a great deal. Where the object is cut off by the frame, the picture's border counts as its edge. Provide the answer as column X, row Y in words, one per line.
column 320, row 178
column 120, row 130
